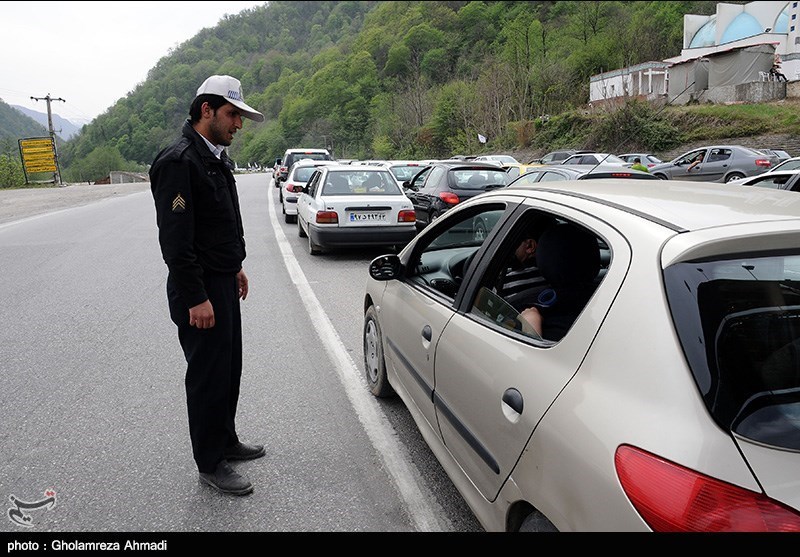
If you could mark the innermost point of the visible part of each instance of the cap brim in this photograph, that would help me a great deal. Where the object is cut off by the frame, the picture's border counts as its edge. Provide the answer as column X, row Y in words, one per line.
column 247, row 111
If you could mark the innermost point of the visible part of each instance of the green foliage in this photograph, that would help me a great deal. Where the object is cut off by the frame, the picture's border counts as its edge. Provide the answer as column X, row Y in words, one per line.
column 635, row 125
column 11, row 173
column 98, row 164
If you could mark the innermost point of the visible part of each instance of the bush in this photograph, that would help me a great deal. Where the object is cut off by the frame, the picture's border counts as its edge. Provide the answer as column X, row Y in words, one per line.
column 11, row 173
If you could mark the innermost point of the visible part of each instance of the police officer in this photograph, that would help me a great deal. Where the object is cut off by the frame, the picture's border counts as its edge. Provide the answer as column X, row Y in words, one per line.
column 202, row 242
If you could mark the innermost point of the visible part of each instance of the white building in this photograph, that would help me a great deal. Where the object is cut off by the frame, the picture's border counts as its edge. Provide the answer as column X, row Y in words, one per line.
column 733, row 46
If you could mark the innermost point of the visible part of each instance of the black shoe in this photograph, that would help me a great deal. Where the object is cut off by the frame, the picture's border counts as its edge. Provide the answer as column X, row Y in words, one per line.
column 227, row 480
column 243, row 451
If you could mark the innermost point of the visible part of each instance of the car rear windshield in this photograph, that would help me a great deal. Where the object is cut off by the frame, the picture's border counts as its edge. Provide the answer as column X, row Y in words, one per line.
column 479, row 178
column 738, row 321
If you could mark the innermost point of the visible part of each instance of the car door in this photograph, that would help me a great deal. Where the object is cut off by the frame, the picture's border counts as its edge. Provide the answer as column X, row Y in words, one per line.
column 423, row 303
column 714, row 166
column 680, row 167
column 305, row 200
column 425, row 198
column 494, row 385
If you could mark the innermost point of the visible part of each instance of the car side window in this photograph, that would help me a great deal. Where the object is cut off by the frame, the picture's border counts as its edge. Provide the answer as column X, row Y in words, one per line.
column 434, row 177
column 718, row 155
column 442, row 262
column 545, row 262
column 551, row 177
column 313, row 182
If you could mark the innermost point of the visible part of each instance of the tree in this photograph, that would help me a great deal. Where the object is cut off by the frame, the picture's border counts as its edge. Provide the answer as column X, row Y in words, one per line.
column 11, row 173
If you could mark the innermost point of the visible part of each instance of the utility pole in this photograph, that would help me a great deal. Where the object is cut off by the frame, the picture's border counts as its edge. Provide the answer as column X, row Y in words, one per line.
column 57, row 173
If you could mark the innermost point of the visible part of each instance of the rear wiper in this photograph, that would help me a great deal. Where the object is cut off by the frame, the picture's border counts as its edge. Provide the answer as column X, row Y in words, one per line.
column 494, row 186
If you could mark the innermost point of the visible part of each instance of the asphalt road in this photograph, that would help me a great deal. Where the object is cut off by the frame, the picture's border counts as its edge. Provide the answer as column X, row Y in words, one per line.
column 92, row 382
column 17, row 204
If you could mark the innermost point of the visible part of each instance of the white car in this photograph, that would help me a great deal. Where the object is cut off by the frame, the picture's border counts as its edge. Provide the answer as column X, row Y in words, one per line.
column 298, row 175
column 646, row 379
column 346, row 206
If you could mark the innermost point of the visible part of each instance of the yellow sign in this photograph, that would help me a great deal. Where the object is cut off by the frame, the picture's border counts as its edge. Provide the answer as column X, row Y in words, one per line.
column 38, row 154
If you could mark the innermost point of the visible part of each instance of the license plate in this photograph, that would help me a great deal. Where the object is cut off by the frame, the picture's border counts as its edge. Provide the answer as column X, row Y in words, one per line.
column 367, row 217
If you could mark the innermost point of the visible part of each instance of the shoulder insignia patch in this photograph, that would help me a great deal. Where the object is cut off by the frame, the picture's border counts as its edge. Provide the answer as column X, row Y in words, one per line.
column 178, row 204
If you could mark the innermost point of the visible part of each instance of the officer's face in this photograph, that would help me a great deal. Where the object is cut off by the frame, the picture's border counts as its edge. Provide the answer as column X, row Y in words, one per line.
column 225, row 121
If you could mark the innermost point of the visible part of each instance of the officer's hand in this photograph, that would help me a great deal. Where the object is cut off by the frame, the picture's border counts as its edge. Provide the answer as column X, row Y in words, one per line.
column 202, row 315
column 244, row 288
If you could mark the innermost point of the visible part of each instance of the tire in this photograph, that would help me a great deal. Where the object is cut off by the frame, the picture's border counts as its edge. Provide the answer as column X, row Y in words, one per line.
column 300, row 231
column 289, row 218
column 374, row 362
column 733, row 176
column 537, row 522
column 313, row 248
column 661, row 176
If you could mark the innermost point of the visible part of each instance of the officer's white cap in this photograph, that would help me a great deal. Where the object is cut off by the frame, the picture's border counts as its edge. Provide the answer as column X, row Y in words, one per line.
column 231, row 89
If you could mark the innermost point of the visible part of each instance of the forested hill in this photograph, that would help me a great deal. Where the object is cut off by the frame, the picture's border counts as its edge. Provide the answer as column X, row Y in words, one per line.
column 387, row 79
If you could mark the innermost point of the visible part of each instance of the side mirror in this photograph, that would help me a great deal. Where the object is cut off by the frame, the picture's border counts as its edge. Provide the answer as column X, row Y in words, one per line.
column 386, row 267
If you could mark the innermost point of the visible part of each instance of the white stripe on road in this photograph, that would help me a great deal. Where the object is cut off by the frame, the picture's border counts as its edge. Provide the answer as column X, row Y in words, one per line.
column 422, row 509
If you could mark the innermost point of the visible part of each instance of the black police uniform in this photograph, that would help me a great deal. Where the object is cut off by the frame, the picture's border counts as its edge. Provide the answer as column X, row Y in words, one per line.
column 202, row 241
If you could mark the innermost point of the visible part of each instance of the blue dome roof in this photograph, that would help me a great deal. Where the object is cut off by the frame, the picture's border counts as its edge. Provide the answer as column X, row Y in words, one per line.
column 705, row 35
column 743, row 26
column 782, row 23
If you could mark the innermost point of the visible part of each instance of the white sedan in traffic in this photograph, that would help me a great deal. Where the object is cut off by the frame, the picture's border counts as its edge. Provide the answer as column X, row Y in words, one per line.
column 348, row 206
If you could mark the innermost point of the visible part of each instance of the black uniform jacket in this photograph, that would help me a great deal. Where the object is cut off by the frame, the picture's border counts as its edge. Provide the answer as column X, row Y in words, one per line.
column 197, row 211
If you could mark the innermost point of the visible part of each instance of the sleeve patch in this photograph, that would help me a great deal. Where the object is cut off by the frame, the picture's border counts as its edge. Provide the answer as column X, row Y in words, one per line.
column 178, row 204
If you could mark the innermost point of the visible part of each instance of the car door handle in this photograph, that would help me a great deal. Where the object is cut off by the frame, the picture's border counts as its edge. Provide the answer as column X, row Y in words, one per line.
column 427, row 333
column 513, row 398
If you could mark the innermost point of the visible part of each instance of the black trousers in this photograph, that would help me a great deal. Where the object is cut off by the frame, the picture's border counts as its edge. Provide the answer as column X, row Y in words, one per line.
column 214, row 369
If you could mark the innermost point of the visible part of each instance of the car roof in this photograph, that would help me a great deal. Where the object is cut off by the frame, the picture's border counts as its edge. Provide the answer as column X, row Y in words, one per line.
column 680, row 205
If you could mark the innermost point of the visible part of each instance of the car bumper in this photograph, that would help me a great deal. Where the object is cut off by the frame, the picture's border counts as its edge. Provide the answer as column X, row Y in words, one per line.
column 362, row 235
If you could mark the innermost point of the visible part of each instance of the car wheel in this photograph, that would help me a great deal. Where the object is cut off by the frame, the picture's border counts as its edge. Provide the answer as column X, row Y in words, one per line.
column 733, row 176
column 537, row 522
column 374, row 363
column 661, row 176
column 300, row 231
column 434, row 215
column 313, row 248
column 289, row 218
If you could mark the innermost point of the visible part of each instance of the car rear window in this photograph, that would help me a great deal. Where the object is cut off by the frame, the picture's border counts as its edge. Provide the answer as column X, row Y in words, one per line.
column 738, row 321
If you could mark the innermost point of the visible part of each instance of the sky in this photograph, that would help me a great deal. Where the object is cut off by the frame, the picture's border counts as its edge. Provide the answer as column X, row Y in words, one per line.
column 91, row 54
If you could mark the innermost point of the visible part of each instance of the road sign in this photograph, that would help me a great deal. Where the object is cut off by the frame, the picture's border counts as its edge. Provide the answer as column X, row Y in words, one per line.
column 38, row 154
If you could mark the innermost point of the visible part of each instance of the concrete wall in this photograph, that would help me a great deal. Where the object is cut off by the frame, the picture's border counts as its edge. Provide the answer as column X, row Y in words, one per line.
column 118, row 177
column 753, row 92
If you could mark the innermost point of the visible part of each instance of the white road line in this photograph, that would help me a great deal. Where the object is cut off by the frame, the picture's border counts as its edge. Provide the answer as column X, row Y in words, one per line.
column 425, row 514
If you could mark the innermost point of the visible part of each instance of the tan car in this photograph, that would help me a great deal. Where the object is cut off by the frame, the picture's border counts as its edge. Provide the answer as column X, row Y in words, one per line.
column 646, row 379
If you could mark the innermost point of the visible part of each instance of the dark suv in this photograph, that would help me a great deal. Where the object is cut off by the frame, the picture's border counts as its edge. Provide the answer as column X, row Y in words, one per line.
column 291, row 156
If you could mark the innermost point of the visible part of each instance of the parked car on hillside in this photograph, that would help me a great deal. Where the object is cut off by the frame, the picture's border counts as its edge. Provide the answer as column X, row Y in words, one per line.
column 352, row 205
column 647, row 159
column 718, row 163
column 448, row 183
column 502, row 160
column 680, row 416
column 561, row 173
column 557, row 156
column 594, row 158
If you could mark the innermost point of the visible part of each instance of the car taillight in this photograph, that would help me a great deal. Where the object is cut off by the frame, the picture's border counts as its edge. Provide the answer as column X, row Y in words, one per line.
column 407, row 215
column 763, row 162
column 327, row 217
column 284, row 169
column 672, row 498
column 449, row 198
